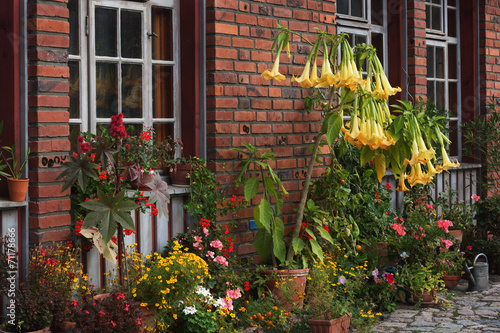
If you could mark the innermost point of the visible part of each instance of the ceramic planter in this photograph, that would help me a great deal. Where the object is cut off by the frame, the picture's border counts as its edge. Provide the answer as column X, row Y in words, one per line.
column 289, row 281
column 429, row 298
column 141, row 182
column 337, row 325
column 451, row 281
column 457, row 234
column 179, row 175
column 17, row 189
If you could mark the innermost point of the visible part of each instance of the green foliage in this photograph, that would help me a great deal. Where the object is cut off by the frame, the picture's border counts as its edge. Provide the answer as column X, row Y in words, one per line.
column 459, row 212
column 15, row 166
column 488, row 216
column 480, row 138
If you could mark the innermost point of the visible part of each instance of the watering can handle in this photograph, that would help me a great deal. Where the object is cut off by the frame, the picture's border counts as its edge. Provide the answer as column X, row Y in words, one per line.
column 467, row 270
column 480, row 254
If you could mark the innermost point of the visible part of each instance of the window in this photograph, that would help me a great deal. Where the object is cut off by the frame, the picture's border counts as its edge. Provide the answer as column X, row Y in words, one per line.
column 123, row 57
column 363, row 28
column 443, row 58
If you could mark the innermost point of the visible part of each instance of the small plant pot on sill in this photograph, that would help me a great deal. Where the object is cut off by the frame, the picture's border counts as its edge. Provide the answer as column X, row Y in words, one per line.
column 337, row 325
column 179, row 176
column 141, row 182
column 17, row 189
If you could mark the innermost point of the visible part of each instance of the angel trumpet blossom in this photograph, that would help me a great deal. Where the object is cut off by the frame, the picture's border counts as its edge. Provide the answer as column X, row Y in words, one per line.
column 274, row 73
column 304, row 80
column 447, row 163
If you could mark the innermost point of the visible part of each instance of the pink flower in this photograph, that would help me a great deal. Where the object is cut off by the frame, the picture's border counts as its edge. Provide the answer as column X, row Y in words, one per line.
column 138, row 321
column 126, row 307
column 198, row 239
column 74, row 303
column 446, row 243
column 444, row 224
column 228, row 304
column 221, row 260
column 399, row 229
column 112, row 323
column 429, row 207
column 233, row 294
column 205, row 231
column 475, row 197
column 210, row 254
column 469, row 247
column 217, row 244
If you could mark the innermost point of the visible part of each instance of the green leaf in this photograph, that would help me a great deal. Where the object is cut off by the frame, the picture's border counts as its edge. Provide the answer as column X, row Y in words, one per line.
column 263, row 215
column 366, row 155
column 325, row 234
column 76, row 171
column 316, row 249
column 251, row 188
column 269, row 184
column 333, row 131
column 298, row 244
column 263, row 245
column 310, row 233
column 279, row 247
column 380, row 166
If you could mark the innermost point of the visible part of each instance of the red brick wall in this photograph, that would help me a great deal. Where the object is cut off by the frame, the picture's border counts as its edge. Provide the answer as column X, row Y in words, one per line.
column 417, row 52
column 48, row 129
column 243, row 107
column 489, row 49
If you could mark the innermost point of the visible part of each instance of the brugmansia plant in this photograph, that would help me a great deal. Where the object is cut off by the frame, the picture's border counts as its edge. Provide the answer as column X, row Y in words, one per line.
column 403, row 142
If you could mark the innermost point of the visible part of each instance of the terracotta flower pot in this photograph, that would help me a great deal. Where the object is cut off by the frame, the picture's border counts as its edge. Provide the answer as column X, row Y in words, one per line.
column 141, row 182
column 457, row 234
column 289, row 282
column 17, row 189
column 451, row 281
column 179, row 175
column 148, row 320
column 429, row 298
column 337, row 325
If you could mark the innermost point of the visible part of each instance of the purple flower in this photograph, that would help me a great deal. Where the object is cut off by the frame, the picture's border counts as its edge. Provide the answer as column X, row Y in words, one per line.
column 342, row 279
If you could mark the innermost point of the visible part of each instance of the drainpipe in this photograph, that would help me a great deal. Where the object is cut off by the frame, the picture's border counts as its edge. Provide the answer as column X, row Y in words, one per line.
column 202, row 78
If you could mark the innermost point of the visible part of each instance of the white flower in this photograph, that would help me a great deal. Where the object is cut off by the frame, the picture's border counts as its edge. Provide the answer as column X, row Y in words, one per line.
column 204, row 292
column 220, row 303
column 189, row 310
column 151, row 171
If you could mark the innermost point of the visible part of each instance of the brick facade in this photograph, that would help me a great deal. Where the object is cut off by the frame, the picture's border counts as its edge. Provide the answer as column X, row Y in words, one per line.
column 48, row 116
column 417, row 53
column 489, row 49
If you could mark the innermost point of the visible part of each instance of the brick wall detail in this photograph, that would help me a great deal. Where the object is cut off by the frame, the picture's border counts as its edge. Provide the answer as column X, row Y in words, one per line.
column 48, row 116
column 417, row 49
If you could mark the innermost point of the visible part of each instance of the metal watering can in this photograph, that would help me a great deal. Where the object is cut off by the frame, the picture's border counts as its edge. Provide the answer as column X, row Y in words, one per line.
column 478, row 279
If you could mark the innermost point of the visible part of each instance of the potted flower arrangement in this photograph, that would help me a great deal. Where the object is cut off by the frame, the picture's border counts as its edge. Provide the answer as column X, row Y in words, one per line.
column 97, row 172
column 17, row 185
column 451, row 262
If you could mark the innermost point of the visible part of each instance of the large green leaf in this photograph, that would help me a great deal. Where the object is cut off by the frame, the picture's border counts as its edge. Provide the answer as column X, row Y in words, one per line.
column 333, row 131
column 279, row 246
column 263, row 245
column 298, row 244
column 366, row 155
column 380, row 166
column 263, row 215
column 251, row 188
column 108, row 211
column 316, row 249
column 76, row 170
column 325, row 234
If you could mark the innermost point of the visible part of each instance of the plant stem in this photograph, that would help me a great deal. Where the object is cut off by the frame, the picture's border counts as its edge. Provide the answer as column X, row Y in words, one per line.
column 307, row 181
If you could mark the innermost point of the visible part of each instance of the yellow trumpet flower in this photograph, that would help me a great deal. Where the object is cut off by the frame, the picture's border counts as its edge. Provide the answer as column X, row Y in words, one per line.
column 401, row 184
column 389, row 90
column 417, row 176
column 431, row 171
column 446, row 162
column 304, row 80
column 327, row 77
column 378, row 88
column 274, row 73
column 314, row 74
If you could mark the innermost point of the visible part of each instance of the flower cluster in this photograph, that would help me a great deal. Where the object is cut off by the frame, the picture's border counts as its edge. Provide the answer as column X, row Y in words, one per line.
column 117, row 129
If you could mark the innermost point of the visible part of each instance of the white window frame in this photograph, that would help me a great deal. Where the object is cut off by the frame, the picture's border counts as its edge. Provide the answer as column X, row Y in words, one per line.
column 441, row 39
column 88, row 120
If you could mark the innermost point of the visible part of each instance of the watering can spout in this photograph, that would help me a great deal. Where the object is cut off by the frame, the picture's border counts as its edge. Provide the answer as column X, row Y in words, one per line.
column 472, row 281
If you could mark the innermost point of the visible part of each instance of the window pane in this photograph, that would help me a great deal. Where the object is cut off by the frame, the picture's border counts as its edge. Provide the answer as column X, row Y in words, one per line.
column 452, row 98
column 430, row 61
column 74, row 133
column 378, row 43
column 163, row 89
column 428, row 17
column 163, row 131
column 452, row 61
column 106, row 90
column 131, row 34
column 132, row 91
column 452, row 23
column 162, row 27
column 74, row 89
column 343, row 7
column 454, row 138
column 430, row 91
column 359, row 39
column 440, row 95
column 377, row 12
column 357, row 8
column 436, row 1
column 440, row 62
column 436, row 18
column 452, row 3
column 105, row 32
column 74, row 40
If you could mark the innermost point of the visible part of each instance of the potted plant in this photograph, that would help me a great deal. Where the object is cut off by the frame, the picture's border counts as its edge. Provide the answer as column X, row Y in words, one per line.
column 422, row 282
column 17, row 185
column 181, row 167
column 451, row 263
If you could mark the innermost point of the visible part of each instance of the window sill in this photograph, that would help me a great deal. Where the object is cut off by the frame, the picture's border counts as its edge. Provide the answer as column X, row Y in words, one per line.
column 6, row 204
